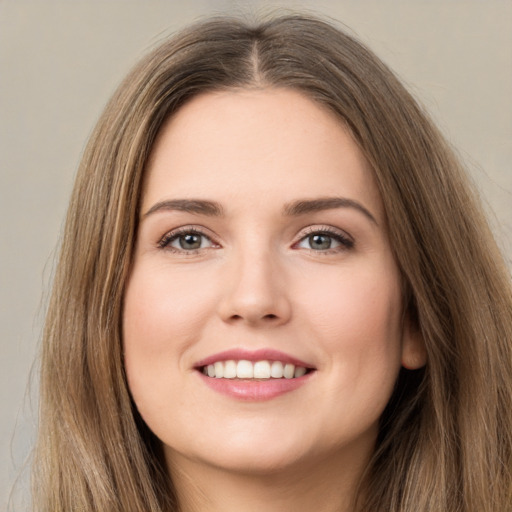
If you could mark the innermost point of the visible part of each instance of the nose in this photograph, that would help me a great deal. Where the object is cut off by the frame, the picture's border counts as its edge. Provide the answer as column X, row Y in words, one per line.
column 255, row 292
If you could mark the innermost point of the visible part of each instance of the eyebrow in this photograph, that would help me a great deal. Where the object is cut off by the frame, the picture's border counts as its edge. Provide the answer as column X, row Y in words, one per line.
column 199, row 206
column 304, row 206
column 293, row 209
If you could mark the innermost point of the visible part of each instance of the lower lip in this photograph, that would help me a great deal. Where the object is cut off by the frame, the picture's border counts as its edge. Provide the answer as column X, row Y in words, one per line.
column 254, row 390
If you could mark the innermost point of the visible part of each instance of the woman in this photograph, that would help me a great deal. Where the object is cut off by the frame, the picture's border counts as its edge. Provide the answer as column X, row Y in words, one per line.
column 276, row 289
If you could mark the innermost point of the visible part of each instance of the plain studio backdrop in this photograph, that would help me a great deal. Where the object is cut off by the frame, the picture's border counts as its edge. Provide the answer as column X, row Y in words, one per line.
column 61, row 60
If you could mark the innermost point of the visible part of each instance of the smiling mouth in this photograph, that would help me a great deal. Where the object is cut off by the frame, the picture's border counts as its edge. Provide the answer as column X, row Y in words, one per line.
column 257, row 370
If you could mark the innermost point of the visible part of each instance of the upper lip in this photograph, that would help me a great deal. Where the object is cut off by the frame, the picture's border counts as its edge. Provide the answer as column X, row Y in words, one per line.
column 265, row 354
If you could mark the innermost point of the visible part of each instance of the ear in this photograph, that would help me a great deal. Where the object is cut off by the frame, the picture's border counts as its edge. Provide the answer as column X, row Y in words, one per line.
column 414, row 353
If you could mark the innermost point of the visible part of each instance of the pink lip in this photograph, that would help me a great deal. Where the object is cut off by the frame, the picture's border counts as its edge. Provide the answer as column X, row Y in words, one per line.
column 265, row 354
column 254, row 390
column 251, row 389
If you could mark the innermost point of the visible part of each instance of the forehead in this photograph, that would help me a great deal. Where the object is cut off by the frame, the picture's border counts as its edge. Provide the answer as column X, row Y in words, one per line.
column 266, row 143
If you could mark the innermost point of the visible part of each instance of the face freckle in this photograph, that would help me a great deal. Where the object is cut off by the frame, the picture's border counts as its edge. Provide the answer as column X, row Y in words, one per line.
column 263, row 236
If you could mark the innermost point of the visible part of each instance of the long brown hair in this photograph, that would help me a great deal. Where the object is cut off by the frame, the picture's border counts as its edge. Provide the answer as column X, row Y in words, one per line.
column 445, row 441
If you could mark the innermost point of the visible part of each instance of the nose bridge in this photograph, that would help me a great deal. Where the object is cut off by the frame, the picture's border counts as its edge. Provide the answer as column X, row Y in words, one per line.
column 256, row 289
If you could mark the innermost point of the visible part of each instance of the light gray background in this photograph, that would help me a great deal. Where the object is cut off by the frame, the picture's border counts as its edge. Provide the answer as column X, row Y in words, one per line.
column 60, row 61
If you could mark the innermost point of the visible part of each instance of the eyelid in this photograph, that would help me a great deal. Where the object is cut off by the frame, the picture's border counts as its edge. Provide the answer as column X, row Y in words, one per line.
column 169, row 236
column 346, row 240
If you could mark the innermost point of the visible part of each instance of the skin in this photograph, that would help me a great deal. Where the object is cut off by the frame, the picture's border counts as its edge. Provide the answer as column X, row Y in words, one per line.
column 258, row 282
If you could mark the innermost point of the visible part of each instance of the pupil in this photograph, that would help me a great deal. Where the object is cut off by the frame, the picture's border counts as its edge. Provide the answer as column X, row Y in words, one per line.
column 190, row 241
column 320, row 241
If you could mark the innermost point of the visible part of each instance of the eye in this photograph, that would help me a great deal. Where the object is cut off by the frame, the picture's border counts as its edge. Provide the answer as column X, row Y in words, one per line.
column 185, row 240
column 188, row 241
column 325, row 240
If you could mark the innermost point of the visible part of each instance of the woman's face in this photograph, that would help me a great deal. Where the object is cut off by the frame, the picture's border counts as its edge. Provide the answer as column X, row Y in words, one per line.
column 262, row 249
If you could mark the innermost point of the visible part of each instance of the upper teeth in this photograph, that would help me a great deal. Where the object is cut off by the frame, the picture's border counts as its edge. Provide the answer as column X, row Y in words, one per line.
column 253, row 370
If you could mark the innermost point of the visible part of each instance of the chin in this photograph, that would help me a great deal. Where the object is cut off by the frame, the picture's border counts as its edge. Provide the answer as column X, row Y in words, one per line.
column 250, row 462
column 248, row 452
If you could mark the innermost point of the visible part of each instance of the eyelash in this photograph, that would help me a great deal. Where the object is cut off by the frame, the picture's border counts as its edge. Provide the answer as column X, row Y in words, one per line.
column 346, row 242
column 171, row 236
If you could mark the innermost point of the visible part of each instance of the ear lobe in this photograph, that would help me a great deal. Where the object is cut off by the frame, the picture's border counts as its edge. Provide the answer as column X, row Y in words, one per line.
column 414, row 353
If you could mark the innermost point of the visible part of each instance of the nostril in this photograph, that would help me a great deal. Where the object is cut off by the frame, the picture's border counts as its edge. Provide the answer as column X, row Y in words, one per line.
column 270, row 316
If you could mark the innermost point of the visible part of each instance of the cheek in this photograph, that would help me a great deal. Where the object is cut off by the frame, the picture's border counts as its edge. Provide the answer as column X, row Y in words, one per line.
column 163, row 316
column 357, row 319
column 358, row 326
column 160, row 311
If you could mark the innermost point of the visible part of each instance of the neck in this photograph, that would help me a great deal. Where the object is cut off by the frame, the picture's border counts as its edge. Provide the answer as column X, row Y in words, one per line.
column 323, row 486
